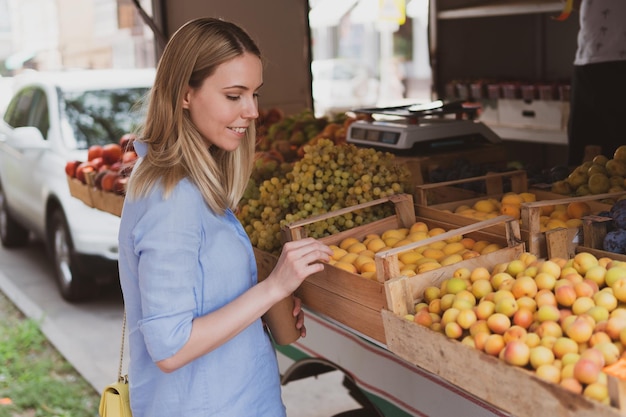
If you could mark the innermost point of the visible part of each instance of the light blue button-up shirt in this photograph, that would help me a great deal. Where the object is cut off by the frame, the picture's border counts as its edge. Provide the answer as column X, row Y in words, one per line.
column 179, row 260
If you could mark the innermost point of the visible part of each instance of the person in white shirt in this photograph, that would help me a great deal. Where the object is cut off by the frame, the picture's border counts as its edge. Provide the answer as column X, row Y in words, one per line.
column 598, row 95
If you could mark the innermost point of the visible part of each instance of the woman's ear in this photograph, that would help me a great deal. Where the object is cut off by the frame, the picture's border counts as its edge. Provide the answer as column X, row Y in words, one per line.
column 186, row 98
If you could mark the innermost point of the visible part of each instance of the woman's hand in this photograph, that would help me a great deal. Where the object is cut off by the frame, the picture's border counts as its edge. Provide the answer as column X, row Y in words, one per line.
column 298, row 260
column 299, row 314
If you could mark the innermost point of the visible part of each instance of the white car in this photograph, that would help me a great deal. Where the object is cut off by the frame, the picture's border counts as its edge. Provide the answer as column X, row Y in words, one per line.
column 53, row 118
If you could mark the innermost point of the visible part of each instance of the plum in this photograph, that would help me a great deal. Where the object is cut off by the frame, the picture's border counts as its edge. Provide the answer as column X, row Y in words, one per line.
column 615, row 241
column 618, row 214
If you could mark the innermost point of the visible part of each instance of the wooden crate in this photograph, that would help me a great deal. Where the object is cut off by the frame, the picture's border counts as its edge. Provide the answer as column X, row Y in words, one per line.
column 513, row 389
column 507, row 387
column 421, row 166
column 80, row 191
column 569, row 238
column 562, row 243
column 107, row 201
column 356, row 301
column 438, row 201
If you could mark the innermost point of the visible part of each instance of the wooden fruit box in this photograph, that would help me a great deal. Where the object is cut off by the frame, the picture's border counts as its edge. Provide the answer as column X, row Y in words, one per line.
column 512, row 389
column 80, row 191
column 537, row 241
column 447, row 197
column 594, row 229
column 356, row 301
column 421, row 166
column 107, row 201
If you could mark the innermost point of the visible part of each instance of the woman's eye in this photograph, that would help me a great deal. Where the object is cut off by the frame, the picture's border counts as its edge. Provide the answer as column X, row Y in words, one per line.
column 233, row 98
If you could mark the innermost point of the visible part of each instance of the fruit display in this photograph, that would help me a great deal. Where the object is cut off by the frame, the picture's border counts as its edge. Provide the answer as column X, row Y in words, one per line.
column 552, row 216
column 562, row 319
column 327, row 178
column 358, row 255
column 107, row 167
column 598, row 176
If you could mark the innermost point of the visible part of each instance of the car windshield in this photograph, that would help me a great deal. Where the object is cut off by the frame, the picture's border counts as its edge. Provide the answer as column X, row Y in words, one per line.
column 102, row 116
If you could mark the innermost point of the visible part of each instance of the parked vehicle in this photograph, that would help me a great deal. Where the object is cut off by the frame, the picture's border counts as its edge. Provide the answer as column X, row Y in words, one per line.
column 53, row 118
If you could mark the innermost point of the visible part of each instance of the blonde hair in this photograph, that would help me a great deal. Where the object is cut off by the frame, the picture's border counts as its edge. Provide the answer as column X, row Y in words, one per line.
column 176, row 150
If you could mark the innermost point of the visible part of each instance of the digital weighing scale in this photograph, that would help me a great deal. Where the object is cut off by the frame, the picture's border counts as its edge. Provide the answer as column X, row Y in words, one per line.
column 422, row 127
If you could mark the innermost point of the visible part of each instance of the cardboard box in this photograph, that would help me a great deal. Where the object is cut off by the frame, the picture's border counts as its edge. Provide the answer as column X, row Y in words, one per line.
column 535, row 114
column 356, row 301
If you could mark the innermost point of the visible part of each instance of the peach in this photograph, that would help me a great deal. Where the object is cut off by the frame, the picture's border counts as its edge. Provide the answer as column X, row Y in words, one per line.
column 480, row 273
column 480, row 339
column 565, row 295
column 449, row 316
column 549, row 328
column 549, row 372
column 583, row 261
column 586, row 371
column 528, row 303
column 498, row 278
column 515, row 267
column 605, row 299
column 580, row 330
column 481, row 288
column 594, row 355
column 494, row 343
column 484, row 309
column 583, row 289
column 507, row 306
column 599, row 337
column 598, row 313
column 514, row 333
column 596, row 274
column 435, row 306
column 523, row 317
column 498, row 323
column 619, row 289
column 563, row 345
column 582, row 305
column 453, row 330
column 571, row 384
column 597, row 391
column 423, row 318
column 547, row 313
column 516, row 353
column 543, row 280
column 613, row 273
column 524, row 286
column 479, row 326
column 550, row 267
column 541, row 355
column 532, row 340
column 466, row 318
column 610, row 352
column 545, row 297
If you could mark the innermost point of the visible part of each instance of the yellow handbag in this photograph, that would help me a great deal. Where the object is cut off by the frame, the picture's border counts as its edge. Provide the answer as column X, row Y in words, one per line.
column 115, row 399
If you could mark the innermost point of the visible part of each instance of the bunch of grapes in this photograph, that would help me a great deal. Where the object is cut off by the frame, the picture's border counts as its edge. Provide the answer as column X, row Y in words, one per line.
column 328, row 177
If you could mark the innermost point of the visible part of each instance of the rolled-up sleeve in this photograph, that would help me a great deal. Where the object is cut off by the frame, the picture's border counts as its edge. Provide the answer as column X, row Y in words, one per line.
column 167, row 240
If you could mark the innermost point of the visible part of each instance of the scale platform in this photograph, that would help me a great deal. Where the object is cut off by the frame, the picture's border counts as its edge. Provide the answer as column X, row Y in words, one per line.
column 421, row 128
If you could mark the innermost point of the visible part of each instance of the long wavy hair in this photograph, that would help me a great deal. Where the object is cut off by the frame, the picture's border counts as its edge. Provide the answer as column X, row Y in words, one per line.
column 176, row 150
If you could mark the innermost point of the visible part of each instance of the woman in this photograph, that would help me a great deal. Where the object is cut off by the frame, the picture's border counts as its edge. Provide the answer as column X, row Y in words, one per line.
column 188, row 273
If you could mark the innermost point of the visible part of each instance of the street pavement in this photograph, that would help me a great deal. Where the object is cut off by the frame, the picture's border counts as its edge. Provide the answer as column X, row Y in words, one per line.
column 88, row 334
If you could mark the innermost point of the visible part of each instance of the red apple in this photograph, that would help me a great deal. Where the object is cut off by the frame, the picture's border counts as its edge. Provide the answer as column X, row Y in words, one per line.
column 108, row 181
column 97, row 162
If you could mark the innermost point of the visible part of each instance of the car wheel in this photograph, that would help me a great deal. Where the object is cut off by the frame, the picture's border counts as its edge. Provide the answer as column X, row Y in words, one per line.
column 12, row 234
column 73, row 285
